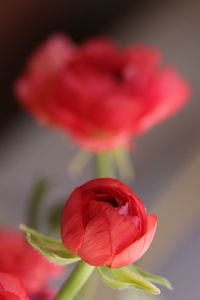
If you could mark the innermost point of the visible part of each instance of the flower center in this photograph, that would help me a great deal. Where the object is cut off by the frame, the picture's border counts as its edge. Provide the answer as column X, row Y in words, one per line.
column 112, row 201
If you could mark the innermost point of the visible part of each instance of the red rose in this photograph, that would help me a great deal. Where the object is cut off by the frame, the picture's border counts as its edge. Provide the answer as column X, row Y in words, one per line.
column 105, row 223
column 11, row 288
column 24, row 262
column 99, row 93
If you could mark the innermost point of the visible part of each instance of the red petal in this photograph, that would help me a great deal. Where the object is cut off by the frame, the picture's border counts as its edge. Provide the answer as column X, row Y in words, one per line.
column 11, row 288
column 167, row 93
column 72, row 229
column 138, row 248
column 96, row 245
column 123, row 231
column 106, row 234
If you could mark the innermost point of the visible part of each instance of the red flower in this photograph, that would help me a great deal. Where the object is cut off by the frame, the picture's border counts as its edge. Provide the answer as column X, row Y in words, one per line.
column 100, row 94
column 22, row 261
column 11, row 288
column 105, row 223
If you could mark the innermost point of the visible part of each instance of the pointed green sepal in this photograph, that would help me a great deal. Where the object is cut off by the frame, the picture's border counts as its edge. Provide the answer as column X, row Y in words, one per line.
column 126, row 278
column 52, row 249
column 153, row 278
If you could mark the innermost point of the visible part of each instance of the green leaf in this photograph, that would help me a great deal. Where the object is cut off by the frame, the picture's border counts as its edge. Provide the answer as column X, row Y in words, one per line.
column 52, row 249
column 54, row 218
column 38, row 194
column 126, row 278
column 153, row 278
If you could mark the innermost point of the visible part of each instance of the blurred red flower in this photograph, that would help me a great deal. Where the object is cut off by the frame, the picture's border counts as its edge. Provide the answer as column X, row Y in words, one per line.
column 11, row 288
column 21, row 260
column 99, row 93
column 105, row 223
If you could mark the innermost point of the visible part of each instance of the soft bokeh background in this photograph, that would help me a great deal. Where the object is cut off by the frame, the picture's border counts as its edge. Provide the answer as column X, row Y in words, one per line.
column 167, row 160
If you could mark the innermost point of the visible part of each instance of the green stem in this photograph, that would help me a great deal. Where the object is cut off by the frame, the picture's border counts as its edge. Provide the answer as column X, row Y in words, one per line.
column 104, row 165
column 75, row 282
column 124, row 164
column 89, row 289
column 78, row 162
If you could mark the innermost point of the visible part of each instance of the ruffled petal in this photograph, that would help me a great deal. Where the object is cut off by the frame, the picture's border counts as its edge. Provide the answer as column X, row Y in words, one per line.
column 166, row 93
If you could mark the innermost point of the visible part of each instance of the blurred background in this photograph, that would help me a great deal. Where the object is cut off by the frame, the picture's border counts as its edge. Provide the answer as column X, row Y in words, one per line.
column 166, row 160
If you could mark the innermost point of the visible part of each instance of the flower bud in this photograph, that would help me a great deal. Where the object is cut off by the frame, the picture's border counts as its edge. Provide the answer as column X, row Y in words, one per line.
column 105, row 223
